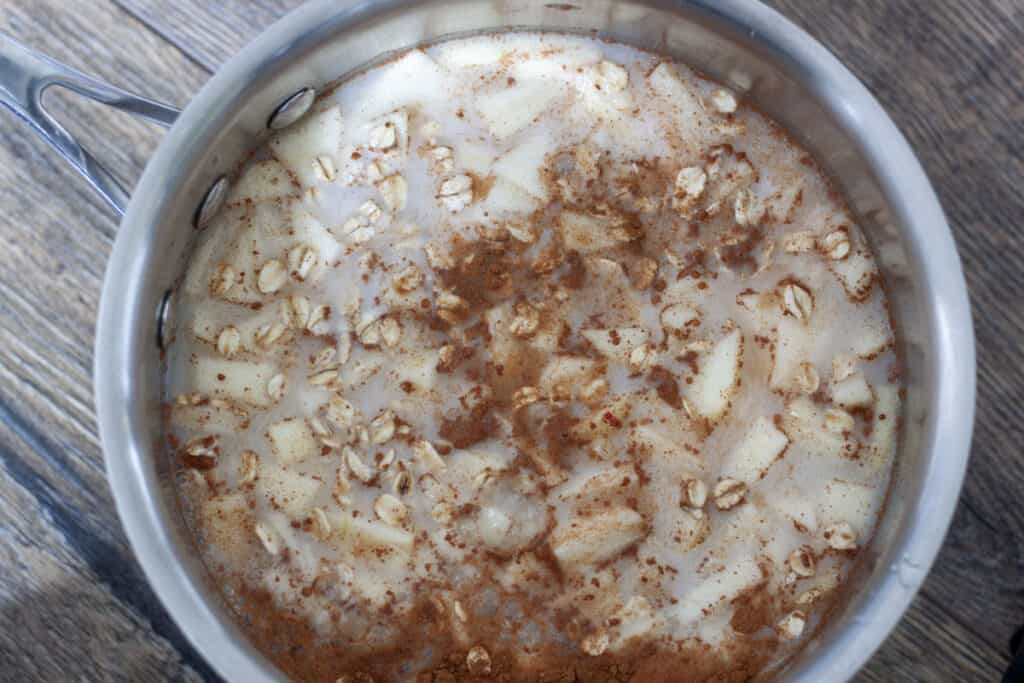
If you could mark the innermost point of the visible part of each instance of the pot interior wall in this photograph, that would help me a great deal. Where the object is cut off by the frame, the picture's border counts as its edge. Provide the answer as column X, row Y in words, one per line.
column 349, row 38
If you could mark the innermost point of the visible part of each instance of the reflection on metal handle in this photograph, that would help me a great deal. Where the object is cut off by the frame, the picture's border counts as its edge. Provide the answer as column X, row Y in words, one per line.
column 26, row 74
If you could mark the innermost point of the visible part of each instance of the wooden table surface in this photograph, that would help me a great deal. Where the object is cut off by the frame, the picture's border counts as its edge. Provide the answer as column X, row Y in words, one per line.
column 73, row 602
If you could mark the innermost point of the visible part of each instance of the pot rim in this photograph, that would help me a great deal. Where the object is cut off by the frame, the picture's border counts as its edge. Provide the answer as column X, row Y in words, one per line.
column 924, row 227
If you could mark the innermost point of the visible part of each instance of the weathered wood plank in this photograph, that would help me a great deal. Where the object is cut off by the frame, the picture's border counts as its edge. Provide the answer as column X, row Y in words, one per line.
column 931, row 645
column 79, row 608
column 206, row 33
column 949, row 72
column 73, row 602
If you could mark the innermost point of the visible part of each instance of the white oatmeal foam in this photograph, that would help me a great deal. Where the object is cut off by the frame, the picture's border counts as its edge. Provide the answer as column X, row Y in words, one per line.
column 387, row 385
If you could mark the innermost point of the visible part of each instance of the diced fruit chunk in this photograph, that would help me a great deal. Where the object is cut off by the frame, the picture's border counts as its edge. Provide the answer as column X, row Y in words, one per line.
column 522, row 165
column 856, row 273
column 595, row 539
column 713, row 387
column 226, row 522
column 235, row 380
column 884, row 430
column 367, row 535
column 759, row 449
column 849, row 502
column 292, row 440
column 263, row 181
column 792, row 347
column 298, row 146
column 586, row 233
column 511, row 109
column 852, row 392
column 795, row 506
column 287, row 490
column 605, row 483
column 720, row 587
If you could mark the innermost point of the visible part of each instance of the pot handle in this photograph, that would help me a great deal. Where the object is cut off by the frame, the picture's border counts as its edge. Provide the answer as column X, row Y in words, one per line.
column 26, row 74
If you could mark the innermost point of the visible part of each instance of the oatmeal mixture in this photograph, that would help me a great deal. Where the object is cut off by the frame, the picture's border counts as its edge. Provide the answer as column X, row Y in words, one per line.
column 531, row 358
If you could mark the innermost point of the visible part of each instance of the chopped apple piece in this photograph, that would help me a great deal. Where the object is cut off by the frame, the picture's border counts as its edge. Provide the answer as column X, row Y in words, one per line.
column 690, row 117
column 670, row 443
column 760, row 448
column 668, row 438
column 494, row 525
column 269, row 227
column 856, row 273
column 292, row 440
column 266, row 224
column 604, row 484
column 792, row 347
column 366, row 536
column 852, row 392
column 874, row 334
column 595, row 539
column 418, row 366
column 684, row 291
column 845, row 501
column 586, row 233
column 679, row 317
column 604, row 96
column 471, row 463
column 203, row 265
column 721, row 587
column 263, row 181
column 805, row 423
column 553, row 66
column 522, row 164
column 460, row 54
column 235, row 380
column 509, row 197
column 565, row 376
column 423, row 80
column 226, row 522
column 617, row 344
column 308, row 230
column 207, row 321
column 318, row 133
column 635, row 620
column 509, row 110
column 713, row 387
column 210, row 318
column 666, row 82
column 511, row 522
column 287, row 490
column 796, row 507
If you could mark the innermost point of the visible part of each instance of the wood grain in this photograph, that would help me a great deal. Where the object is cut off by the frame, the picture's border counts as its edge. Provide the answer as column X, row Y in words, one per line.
column 73, row 602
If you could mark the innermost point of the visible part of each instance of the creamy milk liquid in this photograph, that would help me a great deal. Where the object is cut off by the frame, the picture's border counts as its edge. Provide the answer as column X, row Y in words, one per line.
column 532, row 356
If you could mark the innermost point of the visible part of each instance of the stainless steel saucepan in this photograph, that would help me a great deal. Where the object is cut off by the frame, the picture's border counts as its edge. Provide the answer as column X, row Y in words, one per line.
column 740, row 42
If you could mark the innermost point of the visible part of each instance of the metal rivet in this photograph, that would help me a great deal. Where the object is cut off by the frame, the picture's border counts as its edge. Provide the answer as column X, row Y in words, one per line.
column 212, row 201
column 292, row 109
column 163, row 321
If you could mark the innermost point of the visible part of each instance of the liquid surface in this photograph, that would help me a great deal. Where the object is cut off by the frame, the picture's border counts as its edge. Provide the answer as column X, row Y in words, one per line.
column 530, row 357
